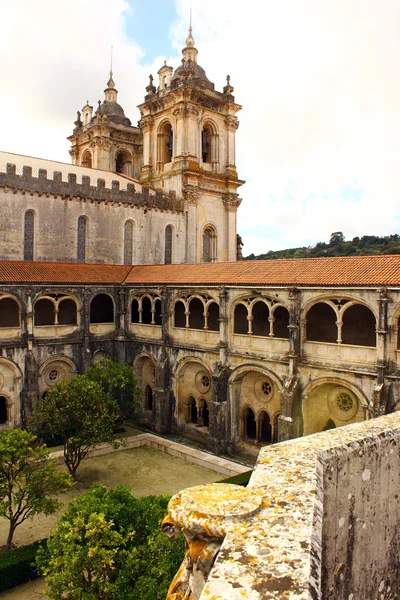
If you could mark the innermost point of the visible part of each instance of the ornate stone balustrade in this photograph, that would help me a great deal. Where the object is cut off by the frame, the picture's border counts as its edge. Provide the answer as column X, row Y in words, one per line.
column 319, row 519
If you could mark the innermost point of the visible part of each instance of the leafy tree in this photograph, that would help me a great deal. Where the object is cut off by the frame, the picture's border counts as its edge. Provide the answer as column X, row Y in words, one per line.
column 108, row 545
column 80, row 413
column 29, row 480
column 117, row 380
column 336, row 238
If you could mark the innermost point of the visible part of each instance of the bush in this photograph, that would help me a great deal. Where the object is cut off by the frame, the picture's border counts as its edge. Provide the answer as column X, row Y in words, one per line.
column 18, row 566
column 241, row 479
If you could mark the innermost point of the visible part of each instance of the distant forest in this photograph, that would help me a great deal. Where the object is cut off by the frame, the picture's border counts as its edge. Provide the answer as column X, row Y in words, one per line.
column 337, row 246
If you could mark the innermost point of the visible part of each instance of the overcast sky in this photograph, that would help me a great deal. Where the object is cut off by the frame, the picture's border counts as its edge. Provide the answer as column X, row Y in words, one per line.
column 319, row 139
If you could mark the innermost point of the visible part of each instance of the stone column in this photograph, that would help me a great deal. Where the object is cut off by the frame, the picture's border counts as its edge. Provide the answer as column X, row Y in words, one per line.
column 223, row 326
column 162, row 399
column 231, row 203
column 146, row 124
column 191, row 195
column 219, row 409
column 232, row 124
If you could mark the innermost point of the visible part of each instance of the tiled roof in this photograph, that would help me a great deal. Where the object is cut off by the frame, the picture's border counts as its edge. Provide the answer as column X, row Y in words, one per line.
column 336, row 271
column 51, row 166
column 15, row 271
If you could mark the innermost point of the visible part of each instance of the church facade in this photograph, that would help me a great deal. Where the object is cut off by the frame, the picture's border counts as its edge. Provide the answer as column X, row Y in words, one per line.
column 130, row 253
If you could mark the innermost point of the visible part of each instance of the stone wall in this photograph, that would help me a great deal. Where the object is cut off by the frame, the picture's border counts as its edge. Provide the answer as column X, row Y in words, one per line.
column 325, row 525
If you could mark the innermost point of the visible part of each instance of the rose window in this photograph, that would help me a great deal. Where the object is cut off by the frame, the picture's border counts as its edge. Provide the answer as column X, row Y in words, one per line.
column 53, row 375
column 344, row 402
column 266, row 388
column 205, row 380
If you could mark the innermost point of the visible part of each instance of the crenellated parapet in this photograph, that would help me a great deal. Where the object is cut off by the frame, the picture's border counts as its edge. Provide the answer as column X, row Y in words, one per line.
column 87, row 190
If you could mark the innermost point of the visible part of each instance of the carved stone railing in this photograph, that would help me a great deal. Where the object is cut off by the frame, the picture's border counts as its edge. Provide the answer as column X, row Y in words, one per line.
column 320, row 519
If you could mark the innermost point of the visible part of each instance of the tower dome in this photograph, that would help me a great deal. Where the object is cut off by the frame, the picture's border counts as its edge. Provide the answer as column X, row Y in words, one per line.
column 110, row 106
column 189, row 70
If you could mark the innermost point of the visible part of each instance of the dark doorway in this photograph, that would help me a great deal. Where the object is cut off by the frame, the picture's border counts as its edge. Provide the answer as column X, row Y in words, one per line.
column 250, row 425
column 266, row 429
column 3, row 410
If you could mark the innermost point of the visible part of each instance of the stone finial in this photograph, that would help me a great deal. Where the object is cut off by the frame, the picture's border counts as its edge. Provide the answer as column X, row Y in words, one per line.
column 151, row 89
column 110, row 82
column 204, row 514
column 189, row 39
column 78, row 122
column 228, row 89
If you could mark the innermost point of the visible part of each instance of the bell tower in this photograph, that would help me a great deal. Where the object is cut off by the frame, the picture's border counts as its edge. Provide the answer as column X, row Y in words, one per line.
column 189, row 133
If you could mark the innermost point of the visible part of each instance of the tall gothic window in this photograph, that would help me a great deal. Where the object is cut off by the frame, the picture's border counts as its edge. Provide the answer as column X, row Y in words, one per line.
column 128, row 243
column 209, row 245
column 168, row 245
column 165, row 145
column 29, row 234
column 81, row 243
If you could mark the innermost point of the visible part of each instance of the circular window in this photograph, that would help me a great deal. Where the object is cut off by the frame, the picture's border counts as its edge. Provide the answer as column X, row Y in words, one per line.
column 53, row 375
column 343, row 404
column 263, row 389
column 203, row 381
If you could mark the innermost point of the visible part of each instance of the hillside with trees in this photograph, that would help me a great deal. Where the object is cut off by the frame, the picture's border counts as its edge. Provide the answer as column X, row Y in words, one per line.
column 338, row 246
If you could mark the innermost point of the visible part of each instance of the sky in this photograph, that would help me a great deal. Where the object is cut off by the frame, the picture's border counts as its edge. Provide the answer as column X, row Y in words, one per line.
column 319, row 136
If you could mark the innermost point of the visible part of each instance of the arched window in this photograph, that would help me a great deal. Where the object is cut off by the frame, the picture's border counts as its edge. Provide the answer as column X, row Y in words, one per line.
column 123, row 162
column 321, row 324
column 192, row 410
column 81, row 243
column 148, row 398
column 241, row 324
column 179, row 312
column 168, row 245
column 3, row 410
column 29, row 234
column 9, row 313
column 67, row 314
column 250, row 424
column 209, row 245
column 128, row 243
column 281, row 322
column 196, row 314
column 165, row 145
column 157, row 312
column 265, row 428
column 87, row 159
column 213, row 317
column 260, row 313
column 135, row 311
column 102, row 309
column 209, row 144
column 359, row 326
column 146, row 311
column 44, row 312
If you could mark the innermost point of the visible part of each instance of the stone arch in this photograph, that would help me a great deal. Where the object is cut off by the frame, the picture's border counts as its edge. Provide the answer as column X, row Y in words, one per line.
column 4, row 410
column 180, row 310
column 210, row 142
column 67, row 313
column 358, row 325
column 193, row 379
column 128, row 242
column 280, row 321
column 55, row 309
column 123, row 161
column 209, row 240
column 165, row 144
column 322, row 323
column 29, row 234
column 212, row 315
column 240, row 319
column 11, row 381
column 55, row 369
column 86, row 160
column 331, row 398
column 148, row 398
column 44, row 311
column 197, row 309
column 145, row 367
column 102, row 308
column 168, row 245
column 248, row 425
column 147, row 305
column 264, row 425
column 260, row 314
column 10, row 311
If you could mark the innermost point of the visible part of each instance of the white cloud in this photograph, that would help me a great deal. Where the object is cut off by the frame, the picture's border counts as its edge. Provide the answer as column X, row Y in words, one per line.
column 317, row 80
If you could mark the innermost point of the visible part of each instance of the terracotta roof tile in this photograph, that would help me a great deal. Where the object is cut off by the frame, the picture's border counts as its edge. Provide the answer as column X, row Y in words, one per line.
column 15, row 271
column 381, row 270
column 336, row 271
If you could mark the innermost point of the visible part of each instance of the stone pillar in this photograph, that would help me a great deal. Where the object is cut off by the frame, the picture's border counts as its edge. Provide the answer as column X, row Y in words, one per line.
column 85, row 331
column 232, row 124
column 162, row 398
column 219, row 409
column 191, row 195
column 231, row 203
column 146, row 124
column 223, row 326
column 204, row 514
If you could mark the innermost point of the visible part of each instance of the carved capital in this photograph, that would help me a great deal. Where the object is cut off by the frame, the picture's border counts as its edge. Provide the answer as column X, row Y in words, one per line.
column 231, row 202
column 232, row 123
column 191, row 195
column 146, row 123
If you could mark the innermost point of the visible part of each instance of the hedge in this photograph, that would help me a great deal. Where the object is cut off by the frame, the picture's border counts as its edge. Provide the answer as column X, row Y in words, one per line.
column 241, row 479
column 18, row 565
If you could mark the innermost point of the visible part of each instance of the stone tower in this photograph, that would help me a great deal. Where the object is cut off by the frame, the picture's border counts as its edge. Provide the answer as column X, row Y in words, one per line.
column 189, row 147
column 106, row 139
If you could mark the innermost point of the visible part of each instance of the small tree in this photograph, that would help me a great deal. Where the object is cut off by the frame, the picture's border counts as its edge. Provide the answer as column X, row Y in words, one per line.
column 117, row 380
column 29, row 480
column 80, row 413
column 108, row 545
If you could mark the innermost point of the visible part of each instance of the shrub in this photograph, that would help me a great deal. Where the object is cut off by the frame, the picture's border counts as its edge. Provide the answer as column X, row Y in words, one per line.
column 18, row 566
